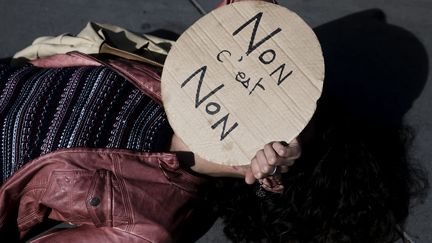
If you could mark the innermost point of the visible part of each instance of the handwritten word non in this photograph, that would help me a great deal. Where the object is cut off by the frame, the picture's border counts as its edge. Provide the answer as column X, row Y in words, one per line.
column 266, row 57
column 211, row 108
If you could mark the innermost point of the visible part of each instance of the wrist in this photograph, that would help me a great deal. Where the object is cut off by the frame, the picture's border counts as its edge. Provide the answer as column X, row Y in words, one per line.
column 200, row 165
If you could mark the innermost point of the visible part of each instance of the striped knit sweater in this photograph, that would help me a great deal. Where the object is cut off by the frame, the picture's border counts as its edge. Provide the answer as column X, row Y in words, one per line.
column 42, row 110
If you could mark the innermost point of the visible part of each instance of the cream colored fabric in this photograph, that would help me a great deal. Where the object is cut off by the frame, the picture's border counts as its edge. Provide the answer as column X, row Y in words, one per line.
column 89, row 41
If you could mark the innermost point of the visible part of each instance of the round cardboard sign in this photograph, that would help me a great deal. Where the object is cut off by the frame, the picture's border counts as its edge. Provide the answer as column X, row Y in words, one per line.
column 243, row 75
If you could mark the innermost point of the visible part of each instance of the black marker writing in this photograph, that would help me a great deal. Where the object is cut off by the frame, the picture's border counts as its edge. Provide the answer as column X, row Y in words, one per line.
column 199, row 101
column 266, row 57
column 240, row 77
column 257, row 84
column 252, row 44
column 281, row 79
column 216, row 108
column 263, row 55
column 218, row 57
column 224, row 120
column 212, row 108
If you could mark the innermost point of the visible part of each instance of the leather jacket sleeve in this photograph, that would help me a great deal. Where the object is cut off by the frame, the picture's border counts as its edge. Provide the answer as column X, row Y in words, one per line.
column 89, row 233
column 110, row 195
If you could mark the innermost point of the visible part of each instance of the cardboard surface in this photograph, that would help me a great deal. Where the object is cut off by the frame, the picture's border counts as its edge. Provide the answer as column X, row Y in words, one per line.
column 242, row 76
column 23, row 21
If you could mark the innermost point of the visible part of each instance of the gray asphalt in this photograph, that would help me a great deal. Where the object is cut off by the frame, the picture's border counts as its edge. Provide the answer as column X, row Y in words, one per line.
column 24, row 20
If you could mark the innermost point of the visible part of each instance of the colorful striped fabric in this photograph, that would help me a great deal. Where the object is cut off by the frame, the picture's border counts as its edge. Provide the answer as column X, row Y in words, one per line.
column 42, row 110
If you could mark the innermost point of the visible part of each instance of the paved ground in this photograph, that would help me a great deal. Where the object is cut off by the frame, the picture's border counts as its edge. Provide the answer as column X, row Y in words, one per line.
column 21, row 21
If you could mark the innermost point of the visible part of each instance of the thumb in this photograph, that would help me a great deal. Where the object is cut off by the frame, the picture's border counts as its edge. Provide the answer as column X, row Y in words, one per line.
column 249, row 176
column 246, row 171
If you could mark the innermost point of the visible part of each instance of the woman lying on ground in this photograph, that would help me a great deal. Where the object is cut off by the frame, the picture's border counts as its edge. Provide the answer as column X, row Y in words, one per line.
column 352, row 182
column 82, row 145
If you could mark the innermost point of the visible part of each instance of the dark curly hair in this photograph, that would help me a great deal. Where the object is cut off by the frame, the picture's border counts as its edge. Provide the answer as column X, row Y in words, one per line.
column 353, row 183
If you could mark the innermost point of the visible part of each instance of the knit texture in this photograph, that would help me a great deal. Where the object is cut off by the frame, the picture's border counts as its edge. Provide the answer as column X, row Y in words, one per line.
column 42, row 110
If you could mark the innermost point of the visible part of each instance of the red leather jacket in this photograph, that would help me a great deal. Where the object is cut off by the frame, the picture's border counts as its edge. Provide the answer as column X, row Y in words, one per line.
column 109, row 195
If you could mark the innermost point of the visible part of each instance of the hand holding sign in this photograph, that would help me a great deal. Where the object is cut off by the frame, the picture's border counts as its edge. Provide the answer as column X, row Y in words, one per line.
column 275, row 157
column 242, row 76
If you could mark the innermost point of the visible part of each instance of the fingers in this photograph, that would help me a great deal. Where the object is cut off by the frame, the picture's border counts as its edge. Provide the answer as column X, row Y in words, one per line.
column 270, row 154
column 260, row 165
column 290, row 152
column 271, row 185
column 274, row 154
column 263, row 162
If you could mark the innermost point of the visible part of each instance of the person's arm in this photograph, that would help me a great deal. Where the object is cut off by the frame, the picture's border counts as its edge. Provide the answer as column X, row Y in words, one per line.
column 91, row 233
column 201, row 165
column 274, row 156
